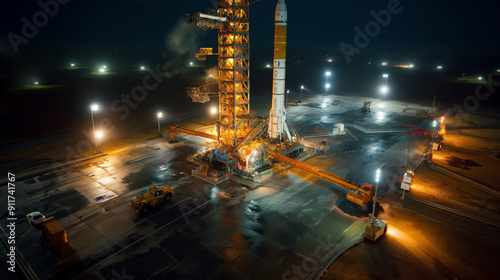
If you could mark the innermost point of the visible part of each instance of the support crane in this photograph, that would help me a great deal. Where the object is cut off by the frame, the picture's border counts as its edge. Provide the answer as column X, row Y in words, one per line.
column 360, row 195
column 231, row 19
column 175, row 129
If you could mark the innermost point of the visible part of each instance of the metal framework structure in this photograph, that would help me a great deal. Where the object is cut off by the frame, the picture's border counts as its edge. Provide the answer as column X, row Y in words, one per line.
column 232, row 22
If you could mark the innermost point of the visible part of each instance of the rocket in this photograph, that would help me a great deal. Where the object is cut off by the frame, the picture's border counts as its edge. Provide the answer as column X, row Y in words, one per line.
column 277, row 117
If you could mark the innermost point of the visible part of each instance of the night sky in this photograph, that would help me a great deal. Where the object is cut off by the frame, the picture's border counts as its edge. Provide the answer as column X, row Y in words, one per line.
column 431, row 27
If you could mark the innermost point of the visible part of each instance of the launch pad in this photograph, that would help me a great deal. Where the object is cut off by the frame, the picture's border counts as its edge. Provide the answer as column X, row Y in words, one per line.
column 244, row 148
column 241, row 142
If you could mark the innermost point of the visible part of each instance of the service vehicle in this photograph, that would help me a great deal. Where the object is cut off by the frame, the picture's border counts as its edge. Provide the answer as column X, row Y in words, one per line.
column 154, row 196
column 35, row 218
column 53, row 233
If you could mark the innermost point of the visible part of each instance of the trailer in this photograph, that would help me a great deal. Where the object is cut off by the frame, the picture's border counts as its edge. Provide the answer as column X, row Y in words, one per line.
column 53, row 233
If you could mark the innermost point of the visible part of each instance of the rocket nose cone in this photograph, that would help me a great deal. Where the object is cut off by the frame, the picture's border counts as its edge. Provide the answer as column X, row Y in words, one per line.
column 281, row 6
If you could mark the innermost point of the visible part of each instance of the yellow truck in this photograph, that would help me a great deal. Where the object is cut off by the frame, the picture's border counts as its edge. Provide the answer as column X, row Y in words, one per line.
column 154, row 196
column 53, row 232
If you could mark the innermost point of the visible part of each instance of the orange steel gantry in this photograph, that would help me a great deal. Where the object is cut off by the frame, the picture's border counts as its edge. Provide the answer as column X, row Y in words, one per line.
column 232, row 21
column 360, row 195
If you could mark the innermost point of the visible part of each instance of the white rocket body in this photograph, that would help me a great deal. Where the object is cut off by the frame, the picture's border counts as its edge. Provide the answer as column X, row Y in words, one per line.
column 277, row 117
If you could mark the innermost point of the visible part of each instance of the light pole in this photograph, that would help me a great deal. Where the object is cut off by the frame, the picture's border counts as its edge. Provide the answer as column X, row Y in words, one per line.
column 160, row 114
column 386, row 76
column 300, row 99
column 406, row 162
column 377, row 178
column 93, row 108
column 327, row 74
column 286, row 98
column 98, row 136
column 433, row 130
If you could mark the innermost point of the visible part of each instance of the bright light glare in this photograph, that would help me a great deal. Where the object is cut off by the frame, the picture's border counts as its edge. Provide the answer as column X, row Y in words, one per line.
column 385, row 75
column 102, row 70
column 328, row 73
column 36, row 83
column 479, row 78
column 213, row 110
column 72, row 65
column 142, row 67
column 301, row 87
column 190, row 63
column 377, row 175
column 330, row 60
column 99, row 134
column 434, row 123
column 442, row 120
column 380, row 116
column 440, row 67
column 104, row 67
column 94, row 107
column 327, row 86
column 384, row 89
column 411, row 66
column 384, row 63
column 160, row 114
column 268, row 65
column 287, row 91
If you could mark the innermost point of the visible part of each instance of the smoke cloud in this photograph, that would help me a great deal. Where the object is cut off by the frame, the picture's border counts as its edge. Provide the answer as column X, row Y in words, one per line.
column 213, row 72
column 182, row 43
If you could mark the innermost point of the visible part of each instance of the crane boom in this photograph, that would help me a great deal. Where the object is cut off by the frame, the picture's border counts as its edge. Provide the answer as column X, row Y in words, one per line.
column 358, row 194
column 175, row 129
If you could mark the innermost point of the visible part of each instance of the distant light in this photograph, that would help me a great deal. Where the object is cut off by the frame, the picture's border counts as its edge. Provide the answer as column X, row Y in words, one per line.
column 36, row 83
column 442, row 120
column 384, row 90
column 72, row 65
column 384, row 63
column 213, row 110
column 94, row 107
column 102, row 70
column 99, row 134
column 301, row 87
column 287, row 91
column 330, row 60
column 268, row 65
column 160, row 114
column 104, row 67
column 439, row 67
column 434, row 123
column 328, row 73
column 498, row 70
column 142, row 67
column 210, row 76
column 191, row 63
column 411, row 66
column 479, row 78
column 385, row 75
column 327, row 86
